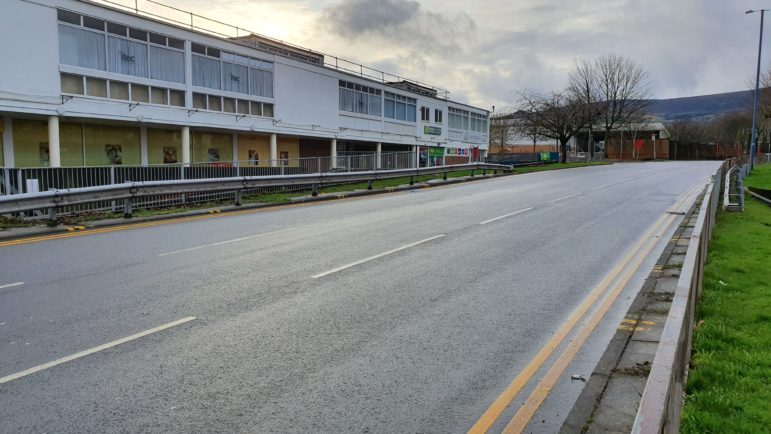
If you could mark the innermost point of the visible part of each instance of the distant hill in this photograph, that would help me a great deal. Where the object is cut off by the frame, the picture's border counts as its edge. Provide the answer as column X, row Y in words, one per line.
column 700, row 108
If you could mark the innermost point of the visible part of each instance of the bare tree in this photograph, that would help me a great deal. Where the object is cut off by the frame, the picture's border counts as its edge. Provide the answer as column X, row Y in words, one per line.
column 623, row 90
column 502, row 129
column 555, row 115
column 583, row 86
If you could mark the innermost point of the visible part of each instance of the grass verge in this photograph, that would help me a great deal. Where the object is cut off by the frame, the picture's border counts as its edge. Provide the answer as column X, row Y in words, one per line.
column 280, row 197
column 729, row 384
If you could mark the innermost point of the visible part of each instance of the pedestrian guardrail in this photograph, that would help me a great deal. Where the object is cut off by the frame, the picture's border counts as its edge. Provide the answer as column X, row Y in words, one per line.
column 129, row 191
column 662, row 400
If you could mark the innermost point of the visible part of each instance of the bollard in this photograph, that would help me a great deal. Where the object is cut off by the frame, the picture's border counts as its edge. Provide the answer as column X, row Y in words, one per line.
column 127, row 208
column 238, row 197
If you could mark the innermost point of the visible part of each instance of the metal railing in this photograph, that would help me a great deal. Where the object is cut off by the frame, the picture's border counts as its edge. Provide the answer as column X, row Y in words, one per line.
column 733, row 193
column 34, row 179
column 662, row 400
column 172, row 15
column 131, row 193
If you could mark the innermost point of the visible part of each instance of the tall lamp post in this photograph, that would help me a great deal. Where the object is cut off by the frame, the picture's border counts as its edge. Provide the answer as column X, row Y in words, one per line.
column 754, row 142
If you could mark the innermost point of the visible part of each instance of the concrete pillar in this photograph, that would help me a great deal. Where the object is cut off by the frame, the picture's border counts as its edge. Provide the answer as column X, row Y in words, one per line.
column 143, row 155
column 8, row 143
column 186, row 145
column 54, row 150
column 416, row 154
column 379, row 156
column 273, row 150
column 333, row 153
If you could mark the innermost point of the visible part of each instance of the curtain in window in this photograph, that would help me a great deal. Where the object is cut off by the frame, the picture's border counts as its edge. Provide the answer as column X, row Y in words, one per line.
column 346, row 100
column 261, row 83
column 390, row 109
column 400, row 111
column 361, row 102
column 82, row 48
column 235, row 78
column 167, row 65
column 127, row 57
column 206, row 72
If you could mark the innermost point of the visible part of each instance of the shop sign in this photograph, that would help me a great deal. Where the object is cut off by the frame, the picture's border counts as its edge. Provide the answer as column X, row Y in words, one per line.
column 432, row 131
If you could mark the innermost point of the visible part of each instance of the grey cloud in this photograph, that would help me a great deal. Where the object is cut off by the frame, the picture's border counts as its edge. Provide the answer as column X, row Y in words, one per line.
column 402, row 23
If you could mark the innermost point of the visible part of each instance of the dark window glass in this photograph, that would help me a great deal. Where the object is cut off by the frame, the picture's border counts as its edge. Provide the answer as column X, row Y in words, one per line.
column 176, row 43
column 93, row 23
column 198, row 48
column 157, row 39
column 68, row 17
column 116, row 29
column 213, row 52
column 140, row 35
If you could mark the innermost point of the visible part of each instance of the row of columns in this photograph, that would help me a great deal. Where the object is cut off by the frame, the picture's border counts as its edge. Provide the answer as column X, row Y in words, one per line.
column 54, row 146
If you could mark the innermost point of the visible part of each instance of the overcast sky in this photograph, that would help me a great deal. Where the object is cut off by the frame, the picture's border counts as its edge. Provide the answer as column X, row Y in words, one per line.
column 483, row 51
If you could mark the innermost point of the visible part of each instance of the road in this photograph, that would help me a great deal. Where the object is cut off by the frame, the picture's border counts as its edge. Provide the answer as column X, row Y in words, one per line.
column 405, row 312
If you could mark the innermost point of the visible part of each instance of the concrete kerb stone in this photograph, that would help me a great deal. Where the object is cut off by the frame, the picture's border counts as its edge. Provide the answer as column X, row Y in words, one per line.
column 26, row 232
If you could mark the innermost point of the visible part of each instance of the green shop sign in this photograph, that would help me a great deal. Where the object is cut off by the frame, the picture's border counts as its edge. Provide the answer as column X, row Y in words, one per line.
column 432, row 131
column 435, row 152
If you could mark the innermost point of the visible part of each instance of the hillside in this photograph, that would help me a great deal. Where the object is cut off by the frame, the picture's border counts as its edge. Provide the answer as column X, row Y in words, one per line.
column 702, row 107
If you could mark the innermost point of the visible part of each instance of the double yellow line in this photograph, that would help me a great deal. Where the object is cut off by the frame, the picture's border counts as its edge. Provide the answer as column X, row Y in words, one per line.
column 631, row 262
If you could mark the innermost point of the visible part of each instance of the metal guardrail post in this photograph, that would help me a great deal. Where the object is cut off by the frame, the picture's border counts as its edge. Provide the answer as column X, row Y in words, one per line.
column 127, row 211
column 318, row 165
column 238, row 197
column 369, row 185
column 52, row 217
column 315, row 191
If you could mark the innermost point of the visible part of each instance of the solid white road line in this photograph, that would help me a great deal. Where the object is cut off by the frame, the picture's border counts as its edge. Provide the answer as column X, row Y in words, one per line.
column 505, row 215
column 353, row 264
column 56, row 362
column 220, row 243
column 564, row 197
column 8, row 285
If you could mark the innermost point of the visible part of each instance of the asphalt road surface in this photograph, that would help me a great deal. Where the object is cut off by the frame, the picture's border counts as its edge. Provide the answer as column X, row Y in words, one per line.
column 405, row 312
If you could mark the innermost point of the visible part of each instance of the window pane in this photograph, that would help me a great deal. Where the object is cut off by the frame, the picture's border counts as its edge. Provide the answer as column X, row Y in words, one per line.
column 176, row 43
column 213, row 52
column 127, row 57
column 198, row 48
column 243, row 107
column 159, row 96
column 400, row 111
column 117, row 29
column 215, row 103
column 389, row 109
column 230, row 105
column 411, row 109
column 96, row 87
column 157, row 39
column 267, row 110
column 235, row 78
column 68, row 17
column 199, row 101
column 167, row 65
column 361, row 102
column 78, row 47
column 374, row 105
column 119, row 90
column 256, row 108
column 137, row 34
column 72, row 84
column 93, row 23
column 177, row 98
column 346, row 100
column 206, row 72
column 140, row 93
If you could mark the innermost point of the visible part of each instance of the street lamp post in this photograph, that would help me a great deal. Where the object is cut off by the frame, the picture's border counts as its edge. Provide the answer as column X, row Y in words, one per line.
column 754, row 142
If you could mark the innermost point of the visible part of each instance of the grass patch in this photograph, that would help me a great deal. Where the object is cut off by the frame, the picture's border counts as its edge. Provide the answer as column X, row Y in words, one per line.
column 729, row 384
column 760, row 178
column 6, row 223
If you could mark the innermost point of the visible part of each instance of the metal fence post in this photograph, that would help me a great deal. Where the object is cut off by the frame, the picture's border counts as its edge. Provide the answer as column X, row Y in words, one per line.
column 52, row 218
column 127, row 211
column 183, row 197
column 238, row 197
column 7, row 180
column 349, row 163
column 318, row 164
column 112, row 181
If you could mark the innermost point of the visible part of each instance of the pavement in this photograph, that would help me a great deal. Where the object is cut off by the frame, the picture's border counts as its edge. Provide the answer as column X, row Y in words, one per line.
column 406, row 312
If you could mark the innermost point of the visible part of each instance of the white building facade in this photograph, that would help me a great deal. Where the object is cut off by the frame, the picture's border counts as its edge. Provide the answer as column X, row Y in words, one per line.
column 84, row 84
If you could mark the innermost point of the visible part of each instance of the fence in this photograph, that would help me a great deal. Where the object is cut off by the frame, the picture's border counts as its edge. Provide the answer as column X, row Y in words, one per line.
column 30, row 180
column 662, row 400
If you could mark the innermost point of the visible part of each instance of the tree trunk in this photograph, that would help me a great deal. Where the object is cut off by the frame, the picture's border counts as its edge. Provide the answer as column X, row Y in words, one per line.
column 563, row 151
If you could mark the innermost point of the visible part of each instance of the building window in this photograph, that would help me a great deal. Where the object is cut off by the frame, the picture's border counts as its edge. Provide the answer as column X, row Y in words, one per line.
column 72, row 84
column 357, row 98
column 96, row 87
column 400, row 107
column 438, row 116
column 126, row 51
column 118, row 90
column 231, row 72
column 425, row 114
column 218, row 103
